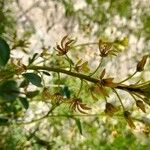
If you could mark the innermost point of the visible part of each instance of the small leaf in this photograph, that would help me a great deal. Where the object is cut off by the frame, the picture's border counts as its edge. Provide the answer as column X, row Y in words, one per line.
column 82, row 67
column 46, row 73
column 33, row 78
column 78, row 123
column 108, row 82
column 24, row 102
column 32, row 94
column 4, row 52
column 31, row 60
column 65, row 91
column 24, row 83
column 9, row 90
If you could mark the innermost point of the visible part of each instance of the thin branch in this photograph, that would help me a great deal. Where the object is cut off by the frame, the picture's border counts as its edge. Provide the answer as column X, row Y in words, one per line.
column 119, row 99
column 78, row 75
column 91, row 74
column 128, row 77
column 86, row 44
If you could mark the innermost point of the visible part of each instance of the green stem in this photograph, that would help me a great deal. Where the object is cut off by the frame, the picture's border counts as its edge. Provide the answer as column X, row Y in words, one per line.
column 119, row 99
column 58, row 70
column 86, row 44
column 75, row 74
column 133, row 96
column 81, row 84
column 128, row 77
column 91, row 74
column 70, row 116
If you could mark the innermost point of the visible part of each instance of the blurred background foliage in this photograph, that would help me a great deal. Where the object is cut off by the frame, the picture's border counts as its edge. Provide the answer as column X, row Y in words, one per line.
column 88, row 20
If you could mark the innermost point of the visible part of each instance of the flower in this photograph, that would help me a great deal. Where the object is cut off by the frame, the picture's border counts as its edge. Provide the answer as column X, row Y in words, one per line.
column 64, row 46
column 76, row 104
column 105, row 48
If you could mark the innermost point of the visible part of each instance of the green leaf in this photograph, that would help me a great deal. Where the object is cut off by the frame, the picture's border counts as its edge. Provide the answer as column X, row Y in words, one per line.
column 78, row 123
column 24, row 102
column 33, row 78
column 24, row 83
column 4, row 52
column 65, row 91
column 46, row 73
column 3, row 121
column 9, row 90
column 31, row 60
column 32, row 94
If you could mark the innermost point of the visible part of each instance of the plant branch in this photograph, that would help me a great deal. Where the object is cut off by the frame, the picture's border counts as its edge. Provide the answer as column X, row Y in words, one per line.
column 79, row 75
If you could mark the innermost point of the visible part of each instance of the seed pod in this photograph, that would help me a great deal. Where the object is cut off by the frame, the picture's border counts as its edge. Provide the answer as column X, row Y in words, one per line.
column 141, row 105
column 141, row 64
column 127, row 116
column 110, row 109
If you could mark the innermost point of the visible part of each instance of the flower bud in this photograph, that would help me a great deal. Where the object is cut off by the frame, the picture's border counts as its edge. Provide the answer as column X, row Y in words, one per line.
column 110, row 109
column 141, row 64
column 127, row 116
column 141, row 105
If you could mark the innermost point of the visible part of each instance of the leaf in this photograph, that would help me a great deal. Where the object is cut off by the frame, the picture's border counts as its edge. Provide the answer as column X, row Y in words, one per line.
column 4, row 52
column 33, row 78
column 3, row 121
column 65, row 91
column 32, row 94
column 100, row 90
column 109, row 82
column 9, row 90
column 46, row 73
column 82, row 66
column 24, row 83
column 31, row 60
column 24, row 102
column 78, row 123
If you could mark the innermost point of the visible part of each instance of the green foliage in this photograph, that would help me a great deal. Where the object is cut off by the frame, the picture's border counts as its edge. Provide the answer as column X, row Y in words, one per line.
column 67, row 84
column 122, row 7
column 33, row 78
column 4, row 51
column 24, row 102
column 9, row 90
column 79, row 125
